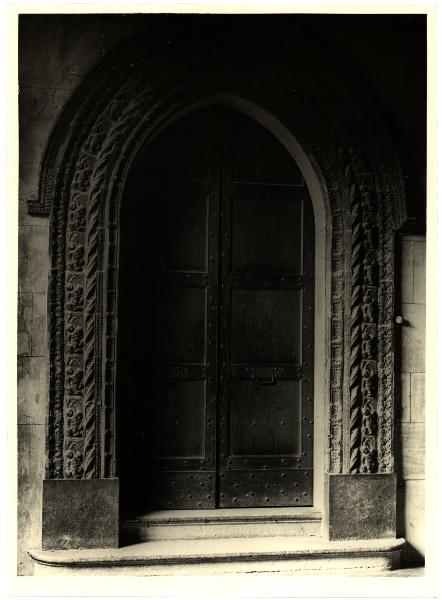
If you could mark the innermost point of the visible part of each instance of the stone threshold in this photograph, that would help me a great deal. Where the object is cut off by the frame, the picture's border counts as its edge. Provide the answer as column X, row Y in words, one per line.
column 307, row 513
column 221, row 523
column 218, row 556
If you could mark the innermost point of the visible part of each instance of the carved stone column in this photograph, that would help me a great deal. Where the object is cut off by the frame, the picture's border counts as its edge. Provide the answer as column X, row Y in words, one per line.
column 360, row 487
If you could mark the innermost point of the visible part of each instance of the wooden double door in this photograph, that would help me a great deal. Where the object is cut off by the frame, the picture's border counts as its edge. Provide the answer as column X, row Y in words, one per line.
column 216, row 320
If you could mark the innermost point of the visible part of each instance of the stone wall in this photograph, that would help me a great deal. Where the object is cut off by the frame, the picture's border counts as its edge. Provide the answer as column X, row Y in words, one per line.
column 53, row 58
column 410, row 380
column 55, row 53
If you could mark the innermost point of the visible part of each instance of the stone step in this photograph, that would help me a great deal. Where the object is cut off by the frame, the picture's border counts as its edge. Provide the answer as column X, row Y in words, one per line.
column 221, row 523
column 263, row 555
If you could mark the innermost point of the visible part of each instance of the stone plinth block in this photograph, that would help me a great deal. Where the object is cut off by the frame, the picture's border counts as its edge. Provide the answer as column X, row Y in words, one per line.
column 360, row 506
column 80, row 513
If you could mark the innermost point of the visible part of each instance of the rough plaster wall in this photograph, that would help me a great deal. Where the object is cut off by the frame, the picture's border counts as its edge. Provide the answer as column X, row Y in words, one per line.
column 54, row 57
column 411, row 380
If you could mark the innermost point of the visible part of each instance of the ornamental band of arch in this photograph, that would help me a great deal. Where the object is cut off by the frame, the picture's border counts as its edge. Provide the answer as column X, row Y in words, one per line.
column 358, row 198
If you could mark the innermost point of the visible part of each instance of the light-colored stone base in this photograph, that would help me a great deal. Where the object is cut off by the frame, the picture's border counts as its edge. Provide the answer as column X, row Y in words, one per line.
column 281, row 556
column 222, row 523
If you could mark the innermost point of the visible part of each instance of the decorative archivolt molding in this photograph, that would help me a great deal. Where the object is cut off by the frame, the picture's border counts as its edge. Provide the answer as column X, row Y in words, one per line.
column 82, row 181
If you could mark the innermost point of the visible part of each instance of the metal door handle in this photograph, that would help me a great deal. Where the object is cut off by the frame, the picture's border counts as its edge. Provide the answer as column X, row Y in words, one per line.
column 266, row 380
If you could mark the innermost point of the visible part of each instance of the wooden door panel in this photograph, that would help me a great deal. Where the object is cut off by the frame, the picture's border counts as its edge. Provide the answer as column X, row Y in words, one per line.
column 178, row 413
column 182, row 489
column 179, row 320
column 265, row 326
column 262, row 223
column 266, row 403
column 172, row 375
column 181, row 216
column 221, row 352
column 265, row 418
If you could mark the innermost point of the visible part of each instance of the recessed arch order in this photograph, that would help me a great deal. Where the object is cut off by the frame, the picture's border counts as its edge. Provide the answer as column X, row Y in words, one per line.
column 357, row 191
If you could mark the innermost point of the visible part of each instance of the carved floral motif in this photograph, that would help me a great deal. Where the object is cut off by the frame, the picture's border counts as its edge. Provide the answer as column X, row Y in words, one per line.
column 75, row 253
column 369, row 379
column 74, row 376
column 368, row 450
column 74, row 419
column 369, row 369
column 369, row 304
column 369, row 346
column 335, row 438
column 73, row 460
column 78, row 214
column 370, row 271
column 83, row 173
column 74, row 293
column 74, row 335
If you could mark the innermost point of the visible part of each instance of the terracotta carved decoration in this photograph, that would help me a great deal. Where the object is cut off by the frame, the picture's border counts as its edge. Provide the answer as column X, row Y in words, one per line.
column 117, row 110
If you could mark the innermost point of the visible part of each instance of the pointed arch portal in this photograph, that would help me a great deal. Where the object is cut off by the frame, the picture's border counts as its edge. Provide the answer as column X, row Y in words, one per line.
column 350, row 176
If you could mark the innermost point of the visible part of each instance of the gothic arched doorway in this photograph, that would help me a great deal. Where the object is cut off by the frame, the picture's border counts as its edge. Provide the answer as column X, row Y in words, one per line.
column 216, row 320
column 356, row 188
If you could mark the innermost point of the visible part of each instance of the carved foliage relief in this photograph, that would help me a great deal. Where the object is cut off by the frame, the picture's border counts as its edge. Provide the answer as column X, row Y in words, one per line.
column 79, row 322
column 363, row 328
column 337, row 348
column 77, row 388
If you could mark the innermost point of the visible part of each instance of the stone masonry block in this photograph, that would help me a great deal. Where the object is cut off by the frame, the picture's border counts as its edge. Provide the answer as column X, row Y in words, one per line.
column 407, row 258
column 40, row 50
column 23, row 452
column 360, row 506
column 38, row 110
column 29, row 524
column 87, row 40
column 31, row 390
column 419, row 272
column 28, row 174
column 33, row 258
column 413, row 450
column 39, row 325
column 402, row 390
column 31, row 453
column 80, row 513
column 24, row 324
column 414, row 520
column 418, row 397
column 37, row 453
column 84, row 48
column 413, row 338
